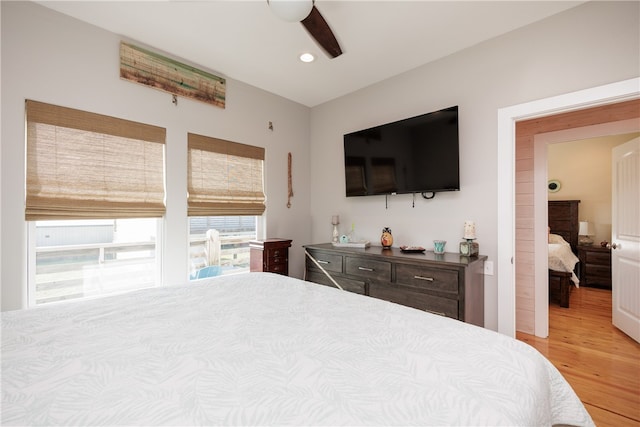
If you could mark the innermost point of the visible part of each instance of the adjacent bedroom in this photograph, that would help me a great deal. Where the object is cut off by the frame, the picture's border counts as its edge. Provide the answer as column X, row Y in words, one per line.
column 579, row 216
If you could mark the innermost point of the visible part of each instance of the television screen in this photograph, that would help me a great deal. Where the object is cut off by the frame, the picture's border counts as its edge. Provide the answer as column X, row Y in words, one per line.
column 415, row 155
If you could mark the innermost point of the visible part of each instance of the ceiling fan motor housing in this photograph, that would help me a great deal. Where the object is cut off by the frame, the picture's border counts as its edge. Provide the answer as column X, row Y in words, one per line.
column 291, row 10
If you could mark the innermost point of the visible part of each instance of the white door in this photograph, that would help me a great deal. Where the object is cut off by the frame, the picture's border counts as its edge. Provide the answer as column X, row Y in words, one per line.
column 625, row 233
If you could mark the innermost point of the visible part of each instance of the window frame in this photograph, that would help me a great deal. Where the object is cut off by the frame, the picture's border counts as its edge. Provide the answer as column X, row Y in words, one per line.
column 31, row 266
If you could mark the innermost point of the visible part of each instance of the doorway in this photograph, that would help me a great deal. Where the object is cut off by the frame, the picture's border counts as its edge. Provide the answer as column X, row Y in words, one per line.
column 593, row 122
column 517, row 127
column 582, row 167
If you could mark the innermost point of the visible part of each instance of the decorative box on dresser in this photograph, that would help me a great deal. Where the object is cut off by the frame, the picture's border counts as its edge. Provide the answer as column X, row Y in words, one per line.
column 595, row 266
column 270, row 255
column 448, row 284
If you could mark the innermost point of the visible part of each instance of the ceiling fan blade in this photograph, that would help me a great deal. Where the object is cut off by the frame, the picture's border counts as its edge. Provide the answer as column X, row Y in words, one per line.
column 320, row 31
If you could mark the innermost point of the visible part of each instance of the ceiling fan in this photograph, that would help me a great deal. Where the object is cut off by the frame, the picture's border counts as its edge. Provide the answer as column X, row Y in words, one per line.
column 305, row 12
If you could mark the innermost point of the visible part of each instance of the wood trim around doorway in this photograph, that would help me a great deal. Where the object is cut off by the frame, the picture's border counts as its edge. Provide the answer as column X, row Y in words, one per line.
column 526, row 131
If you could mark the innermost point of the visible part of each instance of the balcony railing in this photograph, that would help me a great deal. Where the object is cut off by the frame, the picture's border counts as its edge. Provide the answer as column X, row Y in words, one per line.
column 86, row 270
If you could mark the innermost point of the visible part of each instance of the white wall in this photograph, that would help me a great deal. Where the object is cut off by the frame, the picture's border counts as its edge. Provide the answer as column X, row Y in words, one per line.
column 584, row 169
column 49, row 57
column 590, row 45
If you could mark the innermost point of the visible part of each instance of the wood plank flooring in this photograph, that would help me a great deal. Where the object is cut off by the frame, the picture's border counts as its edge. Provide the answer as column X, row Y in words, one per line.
column 601, row 363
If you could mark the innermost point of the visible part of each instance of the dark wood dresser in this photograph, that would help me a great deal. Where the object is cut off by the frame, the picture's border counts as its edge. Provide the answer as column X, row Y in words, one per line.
column 448, row 284
column 270, row 255
column 595, row 266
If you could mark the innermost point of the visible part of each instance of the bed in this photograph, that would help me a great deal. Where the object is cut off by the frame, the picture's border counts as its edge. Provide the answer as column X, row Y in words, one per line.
column 563, row 247
column 266, row 349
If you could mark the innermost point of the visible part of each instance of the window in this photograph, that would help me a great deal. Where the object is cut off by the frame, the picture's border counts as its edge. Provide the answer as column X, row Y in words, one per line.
column 88, row 258
column 225, row 200
column 220, row 244
column 95, row 191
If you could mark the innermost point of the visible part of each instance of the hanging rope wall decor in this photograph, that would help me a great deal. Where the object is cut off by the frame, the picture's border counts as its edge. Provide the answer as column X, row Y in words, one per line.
column 290, row 184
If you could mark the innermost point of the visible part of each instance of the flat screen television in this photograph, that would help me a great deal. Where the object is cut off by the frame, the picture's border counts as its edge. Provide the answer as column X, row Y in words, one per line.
column 415, row 155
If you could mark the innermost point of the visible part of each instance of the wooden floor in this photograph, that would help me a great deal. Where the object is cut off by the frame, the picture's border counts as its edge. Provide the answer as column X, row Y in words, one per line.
column 601, row 363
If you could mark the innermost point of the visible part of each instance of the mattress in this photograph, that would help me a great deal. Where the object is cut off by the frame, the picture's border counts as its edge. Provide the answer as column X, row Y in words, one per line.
column 561, row 257
column 265, row 349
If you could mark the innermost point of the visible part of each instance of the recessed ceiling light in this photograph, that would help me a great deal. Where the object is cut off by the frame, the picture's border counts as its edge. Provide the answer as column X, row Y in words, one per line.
column 307, row 57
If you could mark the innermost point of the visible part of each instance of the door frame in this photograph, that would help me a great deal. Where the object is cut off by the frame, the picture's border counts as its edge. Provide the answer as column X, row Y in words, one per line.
column 540, row 147
column 507, row 118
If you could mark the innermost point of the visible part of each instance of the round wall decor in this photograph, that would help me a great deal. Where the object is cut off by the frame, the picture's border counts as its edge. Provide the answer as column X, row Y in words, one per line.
column 553, row 185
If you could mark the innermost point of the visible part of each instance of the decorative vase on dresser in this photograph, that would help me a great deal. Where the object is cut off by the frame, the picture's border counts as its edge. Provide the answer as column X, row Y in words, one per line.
column 386, row 240
column 270, row 255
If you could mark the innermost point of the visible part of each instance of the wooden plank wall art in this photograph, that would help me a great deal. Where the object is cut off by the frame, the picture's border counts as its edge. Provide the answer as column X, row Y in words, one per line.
column 148, row 68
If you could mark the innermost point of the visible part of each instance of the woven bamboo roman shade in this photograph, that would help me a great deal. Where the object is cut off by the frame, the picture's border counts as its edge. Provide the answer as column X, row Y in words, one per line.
column 83, row 165
column 224, row 178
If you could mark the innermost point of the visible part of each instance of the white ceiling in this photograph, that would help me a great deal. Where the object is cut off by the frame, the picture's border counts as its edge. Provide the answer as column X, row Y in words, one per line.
column 242, row 40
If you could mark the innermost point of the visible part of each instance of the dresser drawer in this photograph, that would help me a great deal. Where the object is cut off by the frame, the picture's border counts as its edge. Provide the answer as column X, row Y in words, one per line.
column 278, row 253
column 433, row 304
column 350, row 285
column 277, row 260
column 601, row 258
column 598, row 273
column 427, row 278
column 281, row 268
column 328, row 261
column 368, row 268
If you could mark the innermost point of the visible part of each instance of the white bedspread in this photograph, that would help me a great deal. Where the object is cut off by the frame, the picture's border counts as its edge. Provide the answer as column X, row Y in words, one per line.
column 263, row 349
column 561, row 258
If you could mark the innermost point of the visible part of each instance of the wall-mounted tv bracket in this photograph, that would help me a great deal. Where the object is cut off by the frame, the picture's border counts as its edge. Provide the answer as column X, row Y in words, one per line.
column 433, row 194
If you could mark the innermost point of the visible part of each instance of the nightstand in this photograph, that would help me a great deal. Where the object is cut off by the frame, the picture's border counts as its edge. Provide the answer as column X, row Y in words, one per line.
column 595, row 266
column 270, row 255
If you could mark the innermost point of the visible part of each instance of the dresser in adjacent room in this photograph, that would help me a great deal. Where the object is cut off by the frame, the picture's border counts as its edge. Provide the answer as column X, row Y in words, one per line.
column 270, row 255
column 595, row 266
column 448, row 284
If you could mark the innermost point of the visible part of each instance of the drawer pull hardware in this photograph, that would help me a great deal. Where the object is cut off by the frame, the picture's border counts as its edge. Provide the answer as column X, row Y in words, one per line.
column 365, row 269
column 322, row 269
column 323, row 262
column 439, row 313
column 430, row 279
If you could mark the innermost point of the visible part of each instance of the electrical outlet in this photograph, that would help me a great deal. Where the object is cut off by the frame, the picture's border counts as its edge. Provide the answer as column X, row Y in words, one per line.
column 488, row 268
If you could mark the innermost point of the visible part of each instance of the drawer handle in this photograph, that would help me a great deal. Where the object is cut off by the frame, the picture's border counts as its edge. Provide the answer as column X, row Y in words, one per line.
column 323, row 262
column 430, row 279
column 366, row 269
column 439, row 313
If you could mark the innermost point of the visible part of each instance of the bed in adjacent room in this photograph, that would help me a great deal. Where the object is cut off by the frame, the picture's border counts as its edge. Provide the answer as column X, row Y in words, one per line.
column 562, row 265
column 266, row 349
column 563, row 247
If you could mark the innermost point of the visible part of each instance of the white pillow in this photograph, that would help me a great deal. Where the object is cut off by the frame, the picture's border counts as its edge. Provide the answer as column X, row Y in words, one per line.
column 556, row 238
